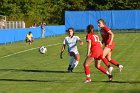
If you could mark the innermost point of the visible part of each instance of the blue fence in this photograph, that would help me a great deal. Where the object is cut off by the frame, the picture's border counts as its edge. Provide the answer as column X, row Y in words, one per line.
column 8, row 36
column 115, row 19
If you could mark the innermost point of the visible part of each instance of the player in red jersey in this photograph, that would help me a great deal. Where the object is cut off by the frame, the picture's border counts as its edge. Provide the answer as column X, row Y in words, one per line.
column 108, row 40
column 94, row 52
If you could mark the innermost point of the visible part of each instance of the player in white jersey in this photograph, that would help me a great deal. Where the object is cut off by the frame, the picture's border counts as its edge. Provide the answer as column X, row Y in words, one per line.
column 71, row 42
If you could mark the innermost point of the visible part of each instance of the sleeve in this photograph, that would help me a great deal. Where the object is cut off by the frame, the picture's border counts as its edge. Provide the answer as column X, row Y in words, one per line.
column 78, row 38
column 88, row 38
column 106, row 29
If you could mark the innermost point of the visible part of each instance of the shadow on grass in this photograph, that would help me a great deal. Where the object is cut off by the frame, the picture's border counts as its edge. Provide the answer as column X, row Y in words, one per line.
column 48, row 71
column 127, row 82
column 31, row 80
column 68, row 81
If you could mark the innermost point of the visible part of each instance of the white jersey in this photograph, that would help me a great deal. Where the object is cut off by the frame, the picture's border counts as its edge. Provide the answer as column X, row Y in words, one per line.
column 71, row 43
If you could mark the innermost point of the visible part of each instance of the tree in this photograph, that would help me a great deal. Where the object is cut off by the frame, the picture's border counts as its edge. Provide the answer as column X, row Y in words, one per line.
column 52, row 11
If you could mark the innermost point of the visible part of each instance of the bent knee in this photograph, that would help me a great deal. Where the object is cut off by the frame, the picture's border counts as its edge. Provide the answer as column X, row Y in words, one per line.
column 97, row 66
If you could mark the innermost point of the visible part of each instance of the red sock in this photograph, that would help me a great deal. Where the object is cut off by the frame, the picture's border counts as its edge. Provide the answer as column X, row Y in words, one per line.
column 87, row 71
column 102, row 69
column 114, row 62
column 106, row 62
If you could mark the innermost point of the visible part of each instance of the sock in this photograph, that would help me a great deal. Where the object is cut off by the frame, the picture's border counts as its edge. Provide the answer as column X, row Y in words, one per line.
column 106, row 62
column 114, row 62
column 101, row 68
column 87, row 72
column 75, row 64
column 71, row 60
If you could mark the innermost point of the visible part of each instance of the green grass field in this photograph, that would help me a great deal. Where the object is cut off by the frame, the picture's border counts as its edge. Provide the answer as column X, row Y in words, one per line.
column 32, row 72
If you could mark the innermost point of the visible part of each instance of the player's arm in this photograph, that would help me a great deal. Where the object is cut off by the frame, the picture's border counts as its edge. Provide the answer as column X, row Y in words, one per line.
column 81, row 42
column 102, row 40
column 101, row 43
column 63, row 47
column 88, row 47
column 112, row 37
column 62, row 50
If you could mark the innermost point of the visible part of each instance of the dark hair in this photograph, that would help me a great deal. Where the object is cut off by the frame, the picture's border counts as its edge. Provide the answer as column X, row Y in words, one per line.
column 71, row 29
column 90, row 28
column 30, row 32
column 102, row 21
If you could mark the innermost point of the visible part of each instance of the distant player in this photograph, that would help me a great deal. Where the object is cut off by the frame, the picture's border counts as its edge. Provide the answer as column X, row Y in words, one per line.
column 71, row 42
column 94, row 52
column 108, row 40
column 29, row 38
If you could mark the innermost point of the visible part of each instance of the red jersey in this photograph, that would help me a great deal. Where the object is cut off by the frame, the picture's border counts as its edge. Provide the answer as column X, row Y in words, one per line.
column 96, row 48
column 105, row 35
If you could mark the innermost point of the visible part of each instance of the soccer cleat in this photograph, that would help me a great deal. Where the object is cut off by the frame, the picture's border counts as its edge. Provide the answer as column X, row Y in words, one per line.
column 120, row 67
column 88, row 81
column 110, row 69
column 70, row 69
column 110, row 77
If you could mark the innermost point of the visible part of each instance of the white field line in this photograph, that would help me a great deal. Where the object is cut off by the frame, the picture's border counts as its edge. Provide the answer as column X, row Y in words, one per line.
column 28, row 50
column 31, row 49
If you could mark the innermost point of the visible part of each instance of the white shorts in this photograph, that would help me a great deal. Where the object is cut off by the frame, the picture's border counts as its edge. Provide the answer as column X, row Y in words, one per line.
column 75, row 52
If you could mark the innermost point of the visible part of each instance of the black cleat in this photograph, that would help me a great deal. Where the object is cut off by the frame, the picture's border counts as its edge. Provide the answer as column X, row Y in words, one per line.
column 110, row 77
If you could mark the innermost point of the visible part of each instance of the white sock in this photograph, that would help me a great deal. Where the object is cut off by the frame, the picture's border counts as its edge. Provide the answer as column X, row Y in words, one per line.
column 88, row 76
column 75, row 64
column 71, row 60
column 107, row 72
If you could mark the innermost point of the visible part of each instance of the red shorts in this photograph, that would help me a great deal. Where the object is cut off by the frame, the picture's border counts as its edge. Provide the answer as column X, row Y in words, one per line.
column 111, row 46
column 97, row 54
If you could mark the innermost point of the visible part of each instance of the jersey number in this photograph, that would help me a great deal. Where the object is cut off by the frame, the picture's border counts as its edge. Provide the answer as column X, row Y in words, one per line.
column 96, row 38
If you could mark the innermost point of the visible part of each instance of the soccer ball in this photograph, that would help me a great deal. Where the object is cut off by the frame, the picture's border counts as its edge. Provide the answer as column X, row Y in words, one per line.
column 42, row 49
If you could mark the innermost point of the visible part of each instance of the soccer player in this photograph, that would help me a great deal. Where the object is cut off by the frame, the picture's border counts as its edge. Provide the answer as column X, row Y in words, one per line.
column 108, row 40
column 71, row 41
column 94, row 52
column 29, row 38
column 42, row 25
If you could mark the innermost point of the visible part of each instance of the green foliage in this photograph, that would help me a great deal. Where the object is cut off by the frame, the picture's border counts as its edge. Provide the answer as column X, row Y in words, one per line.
column 52, row 11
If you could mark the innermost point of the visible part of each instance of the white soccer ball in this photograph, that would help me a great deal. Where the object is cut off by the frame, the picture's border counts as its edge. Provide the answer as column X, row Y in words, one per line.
column 43, row 49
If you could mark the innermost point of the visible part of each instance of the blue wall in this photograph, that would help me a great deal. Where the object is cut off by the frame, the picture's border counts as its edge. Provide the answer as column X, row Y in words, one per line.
column 115, row 19
column 13, row 35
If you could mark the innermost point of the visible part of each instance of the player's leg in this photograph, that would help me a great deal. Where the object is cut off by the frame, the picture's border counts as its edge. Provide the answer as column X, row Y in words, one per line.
column 77, row 59
column 86, row 64
column 102, row 69
column 70, row 63
column 99, row 67
column 105, row 53
column 30, row 41
column 105, row 60
column 43, row 33
column 114, row 62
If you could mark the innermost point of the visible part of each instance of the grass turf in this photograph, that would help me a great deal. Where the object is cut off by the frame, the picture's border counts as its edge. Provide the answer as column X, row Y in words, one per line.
column 32, row 72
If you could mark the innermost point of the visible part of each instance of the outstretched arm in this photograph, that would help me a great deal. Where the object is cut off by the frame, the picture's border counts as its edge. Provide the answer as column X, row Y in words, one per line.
column 81, row 42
